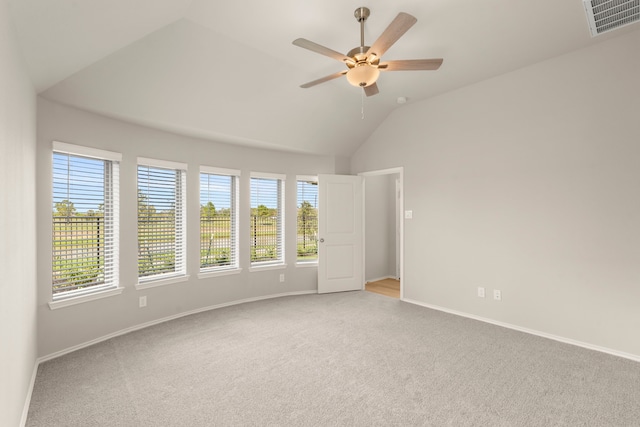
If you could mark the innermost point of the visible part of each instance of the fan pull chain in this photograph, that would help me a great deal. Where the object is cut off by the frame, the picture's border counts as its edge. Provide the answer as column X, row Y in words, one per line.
column 362, row 110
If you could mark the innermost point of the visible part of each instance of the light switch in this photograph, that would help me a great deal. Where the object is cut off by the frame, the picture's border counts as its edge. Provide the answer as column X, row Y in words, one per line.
column 408, row 214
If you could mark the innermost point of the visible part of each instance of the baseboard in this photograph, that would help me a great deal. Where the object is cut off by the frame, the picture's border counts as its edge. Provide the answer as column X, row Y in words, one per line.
column 162, row 320
column 27, row 401
column 564, row 340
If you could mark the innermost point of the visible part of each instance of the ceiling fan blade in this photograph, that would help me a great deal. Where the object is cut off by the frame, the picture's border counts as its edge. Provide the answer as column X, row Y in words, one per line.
column 411, row 64
column 315, row 47
column 371, row 90
column 324, row 79
column 394, row 31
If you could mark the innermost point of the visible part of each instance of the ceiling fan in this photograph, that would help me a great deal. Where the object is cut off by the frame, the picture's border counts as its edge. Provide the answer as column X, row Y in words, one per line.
column 363, row 62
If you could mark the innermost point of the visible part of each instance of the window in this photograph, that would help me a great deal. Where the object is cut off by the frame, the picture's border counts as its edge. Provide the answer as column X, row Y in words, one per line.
column 307, row 229
column 161, row 219
column 85, row 220
column 218, row 219
column 267, row 219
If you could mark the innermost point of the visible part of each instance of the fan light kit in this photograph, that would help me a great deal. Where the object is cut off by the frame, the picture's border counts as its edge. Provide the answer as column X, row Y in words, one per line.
column 363, row 74
column 363, row 62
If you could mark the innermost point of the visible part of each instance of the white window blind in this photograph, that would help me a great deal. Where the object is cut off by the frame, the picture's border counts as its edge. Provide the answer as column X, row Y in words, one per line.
column 85, row 220
column 218, row 219
column 267, row 219
column 161, row 219
column 307, row 220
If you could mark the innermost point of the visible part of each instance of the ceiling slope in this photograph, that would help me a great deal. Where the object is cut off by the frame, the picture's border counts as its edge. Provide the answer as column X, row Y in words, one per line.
column 60, row 37
column 227, row 71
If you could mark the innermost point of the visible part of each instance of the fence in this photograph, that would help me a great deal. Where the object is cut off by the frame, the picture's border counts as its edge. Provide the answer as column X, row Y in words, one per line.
column 157, row 243
column 216, row 246
column 264, row 238
column 78, row 252
column 79, row 244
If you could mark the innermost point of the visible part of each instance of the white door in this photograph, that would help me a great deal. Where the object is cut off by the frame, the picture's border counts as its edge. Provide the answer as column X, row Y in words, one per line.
column 340, row 252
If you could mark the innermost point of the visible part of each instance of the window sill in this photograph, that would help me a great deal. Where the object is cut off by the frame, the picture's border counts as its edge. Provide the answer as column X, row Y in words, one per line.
column 66, row 302
column 161, row 282
column 313, row 264
column 217, row 273
column 266, row 267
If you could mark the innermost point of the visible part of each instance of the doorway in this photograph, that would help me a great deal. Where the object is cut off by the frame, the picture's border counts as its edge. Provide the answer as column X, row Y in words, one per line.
column 383, row 232
column 386, row 287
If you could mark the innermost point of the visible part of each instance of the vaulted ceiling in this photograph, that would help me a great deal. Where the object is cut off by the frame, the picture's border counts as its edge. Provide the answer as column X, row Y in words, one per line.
column 227, row 70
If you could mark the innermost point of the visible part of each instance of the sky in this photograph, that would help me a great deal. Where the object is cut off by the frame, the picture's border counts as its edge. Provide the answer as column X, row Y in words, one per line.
column 81, row 181
column 216, row 189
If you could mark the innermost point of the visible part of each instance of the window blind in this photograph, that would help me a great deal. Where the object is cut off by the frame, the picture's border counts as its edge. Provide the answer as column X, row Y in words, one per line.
column 85, row 228
column 307, row 220
column 267, row 219
column 161, row 221
column 218, row 220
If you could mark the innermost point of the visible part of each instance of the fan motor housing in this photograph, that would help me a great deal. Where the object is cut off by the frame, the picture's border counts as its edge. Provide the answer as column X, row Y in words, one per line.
column 359, row 55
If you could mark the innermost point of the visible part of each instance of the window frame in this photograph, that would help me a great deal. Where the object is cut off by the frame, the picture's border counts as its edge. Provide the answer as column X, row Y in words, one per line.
column 280, row 230
column 111, row 245
column 234, row 267
column 180, row 246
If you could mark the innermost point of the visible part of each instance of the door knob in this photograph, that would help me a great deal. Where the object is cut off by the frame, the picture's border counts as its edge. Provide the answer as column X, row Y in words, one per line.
column 321, row 240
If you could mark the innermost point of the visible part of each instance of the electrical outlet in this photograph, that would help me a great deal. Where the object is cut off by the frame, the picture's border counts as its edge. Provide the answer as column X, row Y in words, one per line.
column 143, row 301
column 282, row 277
column 497, row 295
column 480, row 292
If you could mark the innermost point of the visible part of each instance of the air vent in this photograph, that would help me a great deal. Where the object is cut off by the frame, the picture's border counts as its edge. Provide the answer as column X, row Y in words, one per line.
column 607, row 15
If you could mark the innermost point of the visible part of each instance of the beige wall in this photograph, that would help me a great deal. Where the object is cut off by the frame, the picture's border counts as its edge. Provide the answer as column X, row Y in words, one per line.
column 67, row 327
column 380, row 226
column 527, row 183
column 17, row 227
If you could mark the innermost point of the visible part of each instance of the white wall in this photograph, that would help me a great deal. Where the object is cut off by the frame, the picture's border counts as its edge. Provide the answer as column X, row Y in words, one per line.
column 66, row 327
column 527, row 183
column 17, row 227
column 380, row 225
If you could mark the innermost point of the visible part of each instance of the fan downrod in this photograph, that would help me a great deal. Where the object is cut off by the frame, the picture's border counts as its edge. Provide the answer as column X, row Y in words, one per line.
column 358, row 53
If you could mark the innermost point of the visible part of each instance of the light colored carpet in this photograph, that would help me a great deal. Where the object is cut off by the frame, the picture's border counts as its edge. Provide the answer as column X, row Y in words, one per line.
column 348, row 359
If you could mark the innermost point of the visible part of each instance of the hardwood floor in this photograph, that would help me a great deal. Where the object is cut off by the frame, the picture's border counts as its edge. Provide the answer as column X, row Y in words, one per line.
column 387, row 287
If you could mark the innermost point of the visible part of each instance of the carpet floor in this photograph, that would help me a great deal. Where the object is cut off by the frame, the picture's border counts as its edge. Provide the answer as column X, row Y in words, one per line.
column 347, row 359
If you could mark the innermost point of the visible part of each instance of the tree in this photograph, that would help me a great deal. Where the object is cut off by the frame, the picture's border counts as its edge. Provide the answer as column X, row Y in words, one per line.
column 264, row 211
column 306, row 209
column 208, row 210
column 307, row 224
column 144, row 208
column 65, row 208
